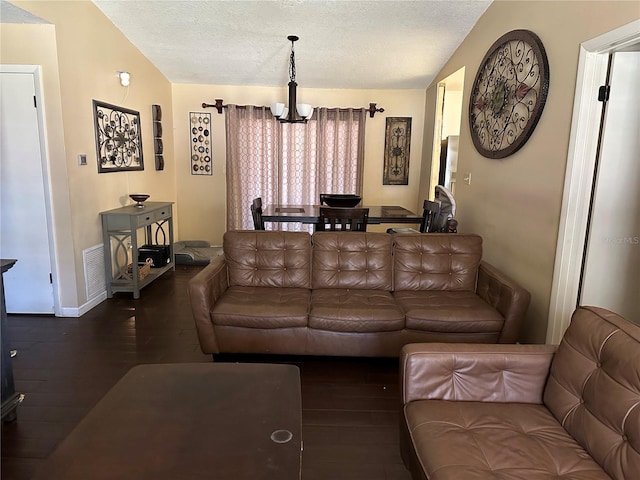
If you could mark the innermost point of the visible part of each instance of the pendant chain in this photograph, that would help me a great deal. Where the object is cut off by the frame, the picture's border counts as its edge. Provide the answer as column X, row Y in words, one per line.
column 292, row 65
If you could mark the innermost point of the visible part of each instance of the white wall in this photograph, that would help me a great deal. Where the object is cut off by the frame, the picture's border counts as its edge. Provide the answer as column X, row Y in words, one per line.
column 452, row 112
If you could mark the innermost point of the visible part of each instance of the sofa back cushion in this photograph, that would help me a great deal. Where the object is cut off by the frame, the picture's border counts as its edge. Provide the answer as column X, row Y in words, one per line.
column 593, row 389
column 258, row 258
column 356, row 260
column 436, row 261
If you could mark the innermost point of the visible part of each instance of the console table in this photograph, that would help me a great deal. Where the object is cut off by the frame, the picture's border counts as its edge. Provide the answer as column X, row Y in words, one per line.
column 120, row 228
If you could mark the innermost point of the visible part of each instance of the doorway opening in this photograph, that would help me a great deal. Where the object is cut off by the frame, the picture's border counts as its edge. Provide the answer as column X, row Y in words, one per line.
column 27, row 225
column 579, row 178
column 444, row 158
column 612, row 246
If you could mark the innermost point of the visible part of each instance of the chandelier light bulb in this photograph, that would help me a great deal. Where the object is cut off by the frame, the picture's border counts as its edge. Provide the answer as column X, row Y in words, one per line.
column 277, row 109
column 304, row 109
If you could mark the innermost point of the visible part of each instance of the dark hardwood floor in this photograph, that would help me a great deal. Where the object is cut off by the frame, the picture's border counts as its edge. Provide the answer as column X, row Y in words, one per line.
column 65, row 365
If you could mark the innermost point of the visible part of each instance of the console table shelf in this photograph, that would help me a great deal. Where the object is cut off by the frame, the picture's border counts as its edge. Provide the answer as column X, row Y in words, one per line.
column 121, row 243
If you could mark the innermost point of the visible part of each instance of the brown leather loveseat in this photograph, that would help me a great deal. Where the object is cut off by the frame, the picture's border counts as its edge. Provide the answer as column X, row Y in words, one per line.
column 351, row 293
column 515, row 412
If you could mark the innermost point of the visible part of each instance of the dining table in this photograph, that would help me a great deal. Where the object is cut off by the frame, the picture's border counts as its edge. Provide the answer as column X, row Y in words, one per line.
column 311, row 214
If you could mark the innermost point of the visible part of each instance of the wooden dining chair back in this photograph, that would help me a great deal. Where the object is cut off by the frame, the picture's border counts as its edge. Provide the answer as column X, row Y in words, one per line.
column 430, row 212
column 256, row 213
column 343, row 219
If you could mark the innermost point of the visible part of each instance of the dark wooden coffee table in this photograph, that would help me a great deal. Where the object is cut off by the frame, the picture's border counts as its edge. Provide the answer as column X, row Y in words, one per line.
column 188, row 422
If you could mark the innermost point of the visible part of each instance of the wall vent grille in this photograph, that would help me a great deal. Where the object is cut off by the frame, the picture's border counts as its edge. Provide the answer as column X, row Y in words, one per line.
column 93, row 260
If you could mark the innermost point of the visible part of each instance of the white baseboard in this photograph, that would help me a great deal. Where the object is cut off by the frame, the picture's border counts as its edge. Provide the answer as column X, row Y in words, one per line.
column 82, row 309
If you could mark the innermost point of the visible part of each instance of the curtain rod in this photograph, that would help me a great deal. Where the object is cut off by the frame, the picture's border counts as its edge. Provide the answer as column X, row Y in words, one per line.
column 219, row 106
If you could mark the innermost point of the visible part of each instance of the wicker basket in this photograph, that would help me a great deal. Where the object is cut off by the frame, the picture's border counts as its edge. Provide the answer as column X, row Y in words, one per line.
column 144, row 269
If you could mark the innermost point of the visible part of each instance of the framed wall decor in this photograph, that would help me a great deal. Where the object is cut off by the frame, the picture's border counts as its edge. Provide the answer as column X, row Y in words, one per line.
column 397, row 146
column 201, row 147
column 118, row 138
column 156, row 115
column 509, row 94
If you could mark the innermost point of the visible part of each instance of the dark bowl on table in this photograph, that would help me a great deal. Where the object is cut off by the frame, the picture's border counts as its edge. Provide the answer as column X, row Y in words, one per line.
column 341, row 200
column 139, row 198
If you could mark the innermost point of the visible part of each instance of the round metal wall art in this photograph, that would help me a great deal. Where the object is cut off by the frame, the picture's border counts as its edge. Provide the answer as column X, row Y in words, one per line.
column 509, row 94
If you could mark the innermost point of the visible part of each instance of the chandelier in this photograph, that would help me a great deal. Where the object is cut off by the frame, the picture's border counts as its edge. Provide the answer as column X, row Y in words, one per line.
column 293, row 112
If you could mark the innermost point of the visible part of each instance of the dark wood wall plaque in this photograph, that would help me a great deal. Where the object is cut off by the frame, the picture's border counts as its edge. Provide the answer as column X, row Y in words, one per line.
column 397, row 145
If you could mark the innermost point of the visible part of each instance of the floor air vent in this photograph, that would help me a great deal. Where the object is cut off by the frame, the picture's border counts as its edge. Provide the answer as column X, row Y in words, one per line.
column 93, row 260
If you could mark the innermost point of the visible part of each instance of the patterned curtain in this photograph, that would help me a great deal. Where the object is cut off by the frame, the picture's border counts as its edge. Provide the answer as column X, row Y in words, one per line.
column 289, row 163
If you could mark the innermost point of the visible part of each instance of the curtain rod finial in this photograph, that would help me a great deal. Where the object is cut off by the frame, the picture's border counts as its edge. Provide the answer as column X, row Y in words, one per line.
column 218, row 105
column 372, row 109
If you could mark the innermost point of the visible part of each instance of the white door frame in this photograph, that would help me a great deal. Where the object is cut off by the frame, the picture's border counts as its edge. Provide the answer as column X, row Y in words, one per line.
column 36, row 71
column 585, row 126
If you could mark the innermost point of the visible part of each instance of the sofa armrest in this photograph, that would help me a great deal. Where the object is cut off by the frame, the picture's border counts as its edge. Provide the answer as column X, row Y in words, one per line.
column 204, row 291
column 474, row 372
column 506, row 296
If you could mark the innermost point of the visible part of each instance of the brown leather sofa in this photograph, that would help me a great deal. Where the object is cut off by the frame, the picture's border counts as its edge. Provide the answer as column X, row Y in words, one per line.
column 526, row 411
column 351, row 293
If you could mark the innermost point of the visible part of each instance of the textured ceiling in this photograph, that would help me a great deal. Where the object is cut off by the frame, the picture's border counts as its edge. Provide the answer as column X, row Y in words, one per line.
column 9, row 13
column 343, row 44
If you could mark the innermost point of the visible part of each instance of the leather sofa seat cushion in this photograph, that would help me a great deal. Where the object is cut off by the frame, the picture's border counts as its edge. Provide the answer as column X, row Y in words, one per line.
column 448, row 311
column 479, row 440
column 354, row 311
column 264, row 308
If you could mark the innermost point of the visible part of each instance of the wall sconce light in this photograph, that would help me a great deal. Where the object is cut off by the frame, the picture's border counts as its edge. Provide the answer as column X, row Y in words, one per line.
column 125, row 78
column 294, row 112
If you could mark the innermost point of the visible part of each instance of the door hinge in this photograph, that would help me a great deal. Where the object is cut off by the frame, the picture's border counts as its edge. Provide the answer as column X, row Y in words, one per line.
column 51, row 279
column 603, row 93
column 35, row 103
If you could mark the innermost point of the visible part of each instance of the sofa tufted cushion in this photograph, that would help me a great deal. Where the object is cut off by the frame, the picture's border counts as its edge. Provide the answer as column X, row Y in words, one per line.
column 264, row 308
column 268, row 259
column 357, row 260
column 349, row 310
column 448, row 311
column 495, row 441
column 594, row 389
column 436, row 261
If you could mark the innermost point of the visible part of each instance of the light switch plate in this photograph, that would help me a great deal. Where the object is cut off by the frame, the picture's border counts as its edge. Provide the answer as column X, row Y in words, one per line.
column 82, row 159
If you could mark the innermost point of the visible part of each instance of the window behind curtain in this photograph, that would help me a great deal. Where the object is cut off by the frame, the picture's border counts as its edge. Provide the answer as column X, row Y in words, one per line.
column 287, row 163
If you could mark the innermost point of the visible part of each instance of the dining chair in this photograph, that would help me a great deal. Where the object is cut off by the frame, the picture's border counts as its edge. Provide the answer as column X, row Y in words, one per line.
column 430, row 212
column 256, row 213
column 343, row 219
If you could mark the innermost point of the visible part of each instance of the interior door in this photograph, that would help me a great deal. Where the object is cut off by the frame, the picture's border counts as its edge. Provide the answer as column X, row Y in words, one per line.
column 23, row 224
column 611, row 272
